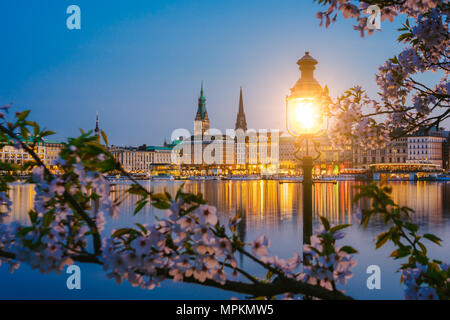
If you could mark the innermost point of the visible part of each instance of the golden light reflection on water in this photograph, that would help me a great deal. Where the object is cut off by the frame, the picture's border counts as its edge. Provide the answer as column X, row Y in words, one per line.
column 270, row 203
column 430, row 200
column 22, row 197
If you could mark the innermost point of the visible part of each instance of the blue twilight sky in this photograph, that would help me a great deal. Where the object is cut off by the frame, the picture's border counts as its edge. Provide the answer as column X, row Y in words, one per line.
column 139, row 63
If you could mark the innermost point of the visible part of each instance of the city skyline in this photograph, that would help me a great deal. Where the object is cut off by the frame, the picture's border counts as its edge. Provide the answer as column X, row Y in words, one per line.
column 115, row 64
column 192, row 150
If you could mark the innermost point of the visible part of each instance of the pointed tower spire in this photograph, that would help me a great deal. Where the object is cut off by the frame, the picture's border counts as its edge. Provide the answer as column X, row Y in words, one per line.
column 97, row 128
column 201, row 110
column 201, row 122
column 241, row 122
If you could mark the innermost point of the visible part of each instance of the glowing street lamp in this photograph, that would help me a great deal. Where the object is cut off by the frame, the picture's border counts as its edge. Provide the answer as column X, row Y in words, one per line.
column 306, row 118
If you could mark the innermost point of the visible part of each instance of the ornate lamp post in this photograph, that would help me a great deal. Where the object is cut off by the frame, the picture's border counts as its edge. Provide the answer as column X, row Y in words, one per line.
column 307, row 118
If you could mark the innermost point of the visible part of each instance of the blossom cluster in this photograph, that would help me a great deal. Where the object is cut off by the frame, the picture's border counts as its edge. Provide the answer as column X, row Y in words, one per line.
column 322, row 264
column 326, row 267
column 350, row 125
column 181, row 245
column 260, row 248
column 406, row 102
column 416, row 286
column 429, row 51
column 358, row 10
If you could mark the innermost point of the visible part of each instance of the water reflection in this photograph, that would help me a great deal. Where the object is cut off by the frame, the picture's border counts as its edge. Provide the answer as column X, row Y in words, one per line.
column 270, row 204
column 22, row 197
column 266, row 207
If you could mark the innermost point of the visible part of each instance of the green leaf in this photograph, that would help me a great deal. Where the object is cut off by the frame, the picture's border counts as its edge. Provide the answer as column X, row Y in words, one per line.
column 422, row 259
column 404, row 36
column 394, row 253
column 121, row 232
column 325, row 223
column 48, row 218
column 161, row 205
column 24, row 231
column 36, row 128
column 47, row 133
column 432, row 238
column 105, row 137
column 400, row 253
column 33, row 216
column 422, row 246
column 339, row 227
column 140, row 206
column 159, row 197
column 143, row 229
column 23, row 115
column 348, row 249
column 382, row 238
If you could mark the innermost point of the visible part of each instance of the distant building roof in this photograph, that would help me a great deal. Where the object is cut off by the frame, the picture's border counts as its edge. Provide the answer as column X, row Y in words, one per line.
column 30, row 140
column 52, row 141
column 154, row 148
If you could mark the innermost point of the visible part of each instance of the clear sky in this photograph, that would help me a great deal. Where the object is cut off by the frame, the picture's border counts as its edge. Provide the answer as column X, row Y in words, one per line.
column 139, row 63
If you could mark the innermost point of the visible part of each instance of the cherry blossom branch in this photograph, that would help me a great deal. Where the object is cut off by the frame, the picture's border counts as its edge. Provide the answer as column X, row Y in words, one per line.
column 280, row 286
column 95, row 233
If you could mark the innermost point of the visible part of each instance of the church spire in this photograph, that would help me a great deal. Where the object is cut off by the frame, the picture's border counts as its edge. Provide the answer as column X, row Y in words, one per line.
column 241, row 122
column 97, row 129
column 201, row 110
column 201, row 122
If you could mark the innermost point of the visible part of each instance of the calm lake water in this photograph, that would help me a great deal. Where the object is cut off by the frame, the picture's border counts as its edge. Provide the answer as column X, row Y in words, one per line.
column 268, row 208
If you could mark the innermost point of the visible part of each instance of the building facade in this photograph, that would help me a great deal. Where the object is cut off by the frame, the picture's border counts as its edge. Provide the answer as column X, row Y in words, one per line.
column 241, row 152
column 140, row 159
column 52, row 151
column 132, row 160
column 160, row 155
column 47, row 150
column 423, row 147
column 15, row 154
column 427, row 147
column 395, row 151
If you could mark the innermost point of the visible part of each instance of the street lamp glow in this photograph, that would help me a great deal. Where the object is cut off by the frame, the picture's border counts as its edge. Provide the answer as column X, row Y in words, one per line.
column 304, row 117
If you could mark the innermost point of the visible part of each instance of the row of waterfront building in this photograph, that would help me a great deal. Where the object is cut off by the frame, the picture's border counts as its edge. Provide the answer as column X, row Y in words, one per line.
column 243, row 151
column 254, row 152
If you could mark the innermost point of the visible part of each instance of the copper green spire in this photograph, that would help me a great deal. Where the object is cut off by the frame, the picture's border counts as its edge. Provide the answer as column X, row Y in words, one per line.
column 201, row 111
